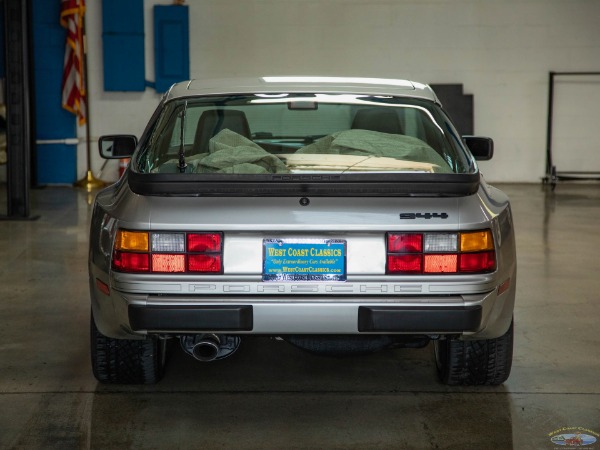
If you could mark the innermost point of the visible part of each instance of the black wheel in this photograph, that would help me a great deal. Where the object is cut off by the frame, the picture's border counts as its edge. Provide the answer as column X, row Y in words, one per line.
column 126, row 361
column 468, row 363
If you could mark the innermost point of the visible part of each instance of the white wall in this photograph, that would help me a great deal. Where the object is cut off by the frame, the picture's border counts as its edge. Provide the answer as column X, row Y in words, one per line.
column 500, row 50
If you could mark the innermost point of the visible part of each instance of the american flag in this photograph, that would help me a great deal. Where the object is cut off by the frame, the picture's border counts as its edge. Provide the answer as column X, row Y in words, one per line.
column 73, row 86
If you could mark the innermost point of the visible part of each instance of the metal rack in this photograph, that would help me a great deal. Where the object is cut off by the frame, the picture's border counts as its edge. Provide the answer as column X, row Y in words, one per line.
column 552, row 175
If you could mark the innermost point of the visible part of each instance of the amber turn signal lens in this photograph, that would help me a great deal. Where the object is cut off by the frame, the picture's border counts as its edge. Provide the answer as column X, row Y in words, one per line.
column 132, row 241
column 476, row 241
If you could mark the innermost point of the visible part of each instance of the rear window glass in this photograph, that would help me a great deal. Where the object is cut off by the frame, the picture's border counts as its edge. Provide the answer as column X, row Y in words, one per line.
column 302, row 133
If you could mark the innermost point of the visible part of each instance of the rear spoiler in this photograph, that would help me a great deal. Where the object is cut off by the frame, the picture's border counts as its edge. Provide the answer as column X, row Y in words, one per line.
column 289, row 185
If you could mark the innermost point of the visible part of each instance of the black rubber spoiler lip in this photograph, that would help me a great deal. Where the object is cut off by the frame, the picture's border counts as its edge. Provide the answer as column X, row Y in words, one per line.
column 337, row 185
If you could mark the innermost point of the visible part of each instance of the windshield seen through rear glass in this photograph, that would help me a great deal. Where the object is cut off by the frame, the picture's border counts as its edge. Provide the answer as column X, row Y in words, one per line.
column 303, row 133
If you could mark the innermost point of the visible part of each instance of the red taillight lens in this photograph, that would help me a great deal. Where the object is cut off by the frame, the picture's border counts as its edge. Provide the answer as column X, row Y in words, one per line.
column 404, row 263
column 204, row 263
column 478, row 262
column 405, row 243
column 131, row 262
column 207, row 247
column 205, row 242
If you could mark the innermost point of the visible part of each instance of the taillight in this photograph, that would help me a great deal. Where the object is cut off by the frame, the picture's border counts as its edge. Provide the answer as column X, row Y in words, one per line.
column 405, row 263
column 168, row 242
column 168, row 263
column 207, row 242
column 405, row 243
column 476, row 241
column 130, row 262
column 167, row 252
column 132, row 241
column 440, row 253
column 440, row 263
column 205, row 263
column 478, row 262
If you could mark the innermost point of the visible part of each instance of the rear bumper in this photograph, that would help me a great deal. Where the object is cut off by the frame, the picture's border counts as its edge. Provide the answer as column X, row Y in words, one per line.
column 124, row 314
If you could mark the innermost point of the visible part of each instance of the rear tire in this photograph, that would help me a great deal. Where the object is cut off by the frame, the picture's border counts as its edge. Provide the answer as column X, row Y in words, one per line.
column 126, row 361
column 469, row 363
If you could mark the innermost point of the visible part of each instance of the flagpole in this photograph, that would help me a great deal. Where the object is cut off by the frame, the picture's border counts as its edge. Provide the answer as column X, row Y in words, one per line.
column 89, row 181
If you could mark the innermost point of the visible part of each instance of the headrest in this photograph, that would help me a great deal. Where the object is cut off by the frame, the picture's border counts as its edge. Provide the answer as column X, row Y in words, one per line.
column 377, row 119
column 214, row 120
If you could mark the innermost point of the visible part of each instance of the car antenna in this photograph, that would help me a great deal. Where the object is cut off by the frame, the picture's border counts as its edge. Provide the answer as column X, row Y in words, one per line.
column 182, row 164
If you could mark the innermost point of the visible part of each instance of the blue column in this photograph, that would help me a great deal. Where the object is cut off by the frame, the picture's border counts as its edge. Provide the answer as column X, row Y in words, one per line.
column 55, row 163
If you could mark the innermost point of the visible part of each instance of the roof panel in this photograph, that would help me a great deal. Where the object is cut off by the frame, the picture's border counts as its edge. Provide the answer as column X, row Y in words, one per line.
column 332, row 85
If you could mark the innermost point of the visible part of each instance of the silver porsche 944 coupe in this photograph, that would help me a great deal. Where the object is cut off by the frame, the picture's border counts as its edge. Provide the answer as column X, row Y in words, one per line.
column 342, row 215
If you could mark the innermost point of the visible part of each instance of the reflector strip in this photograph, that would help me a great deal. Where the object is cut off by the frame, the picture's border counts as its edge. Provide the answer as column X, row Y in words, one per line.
column 102, row 287
column 504, row 287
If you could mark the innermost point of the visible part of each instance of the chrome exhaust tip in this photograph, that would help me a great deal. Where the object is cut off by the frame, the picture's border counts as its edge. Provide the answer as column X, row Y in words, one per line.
column 209, row 347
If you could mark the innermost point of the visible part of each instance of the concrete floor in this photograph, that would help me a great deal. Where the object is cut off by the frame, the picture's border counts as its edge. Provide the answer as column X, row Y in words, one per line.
column 273, row 396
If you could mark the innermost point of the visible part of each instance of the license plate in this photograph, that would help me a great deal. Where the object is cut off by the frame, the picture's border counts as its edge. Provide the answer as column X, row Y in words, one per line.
column 304, row 260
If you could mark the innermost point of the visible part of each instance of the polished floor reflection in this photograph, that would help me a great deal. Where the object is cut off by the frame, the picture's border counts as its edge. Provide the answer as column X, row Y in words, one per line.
column 270, row 395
